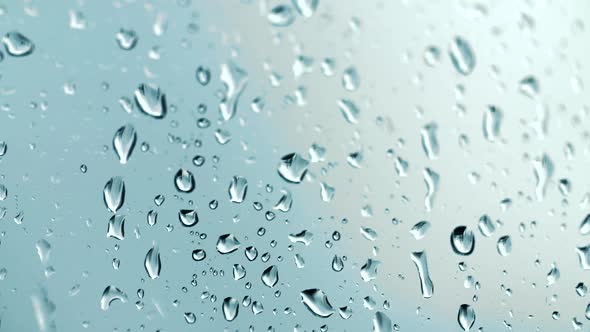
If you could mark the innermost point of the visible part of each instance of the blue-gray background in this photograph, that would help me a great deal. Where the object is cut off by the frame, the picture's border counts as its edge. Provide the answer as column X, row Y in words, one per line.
column 50, row 134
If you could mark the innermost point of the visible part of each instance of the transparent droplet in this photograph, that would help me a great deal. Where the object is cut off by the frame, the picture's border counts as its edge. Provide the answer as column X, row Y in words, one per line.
column 116, row 227
column 239, row 271
column 199, row 255
column 432, row 56
column 270, row 276
column 203, row 75
column 188, row 218
column 184, row 181
column 419, row 230
column 326, row 192
column 316, row 301
column 382, row 323
column 126, row 39
column 351, row 79
column 227, row 243
column 151, row 100
column 529, row 86
column 429, row 140
column 110, row 295
column 462, row 56
column 486, row 226
column 426, row 285
column 306, row 8
column 462, row 241
column 237, row 190
column 337, row 263
column 230, row 308
column 234, row 79
column 349, row 110
column 281, row 16
column 124, row 142
column 491, row 123
column 466, row 317
column 153, row 263
column 17, row 44
column 369, row 270
column 504, row 245
column 293, row 167
column 114, row 193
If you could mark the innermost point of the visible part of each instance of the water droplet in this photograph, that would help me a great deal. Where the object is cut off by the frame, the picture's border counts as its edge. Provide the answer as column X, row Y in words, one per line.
column 16, row 44
column 529, row 86
column 237, row 190
column 188, row 218
column 382, row 323
column 466, row 317
column 462, row 56
column 504, row 245
column 492, row 119
column 114, row 193
column 270, row 276
column 281, row 16
column 304, row 237
column 553, row 275
column 369, row 270
column 43, row 250
column 251, row 253
column 111, row 294
column 326, row 192
column 543, row 170
column 116, row 227
column 234, row 80
column 337, row 263
column 584, row 257
column 239, row 271
column 431, row 179
column 306, row 8
column 486, row 226
column 293, row 167
column 230, row 308
column 203, row 75
column 126, row 39
column 316, row 301
column 77, row 20
column 227, row 243
column 151, row 100
column 199, row 255
column 190, row 317
column 184, row 181
column 257, row 308
column 462, row 241
column 429, row 140
column 153, row 263
column 419, row 230
column 432, row 56
column 124, row 142
column 426, row 285
column 584, row 228
column 349, row 110
column 351, row 79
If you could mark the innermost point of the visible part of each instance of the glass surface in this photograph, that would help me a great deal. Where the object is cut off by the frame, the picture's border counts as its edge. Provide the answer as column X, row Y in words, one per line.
column 304, row 165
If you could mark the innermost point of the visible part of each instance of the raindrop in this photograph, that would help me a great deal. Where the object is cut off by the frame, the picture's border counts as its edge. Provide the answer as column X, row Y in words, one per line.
column 486, row 226
column 431, row 179
column 285, row 202
column 110, row 295
column 504, row 245
column 462, row 56
column 466, row 317
column 199, row 255
column 584, row 228
column 462, row 241
column 237, row 190
column 153, row 263
column 432, row 56
column 16, row 44
column 491, row 123
column 326, row 192
column 227, row 243
column 203, row 75
column 429, row 140
column 151, row 100
column 184, row 181
column 239, row 271
column 350, row 79
column 293, row 167
column 234, row 80
column 584, row 257
column 114, row 193
column 382, row 323
column 426, row 285
column 337, row 263
column 543, row 170
column 230, row 308
column 270, row 276
column 43, row 250
column 124, row 142
column 419, row 230
column 316, row 301
column 281, row 16
column 116, row 227
column 188, row 218
column 369, row 270
column 529, row 86
column 126, row 39
column 349, row 110
column 306, row 8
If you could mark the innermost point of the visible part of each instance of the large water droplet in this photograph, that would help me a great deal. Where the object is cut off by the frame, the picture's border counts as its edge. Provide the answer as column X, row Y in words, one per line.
column 234, row 79
column 188, row 218
column 114, row 193
column 349, row 110
column 486, row 226
column 419, row 230
column 306, row 8
column 126, row 39
column 199, row 255
column 17, row 44
column 153, row 263
column 504, row 245
column 426, row 285
column 270, row 276
column 462, row 241
column 184, row 181
column 382, row 323
column 293, row 167
column 492, row 119
column 237, row 190
column 230, row 308
column 462, row 56
column 316, row 301
column 151, row 100
column 124, row 142
column 227, row 243
column 239, row 271
column 429, row 140
column 281, row 16
column 116, row 227
column 369, row 270
column 466, row 317
column 111, row 294
column 285, row 202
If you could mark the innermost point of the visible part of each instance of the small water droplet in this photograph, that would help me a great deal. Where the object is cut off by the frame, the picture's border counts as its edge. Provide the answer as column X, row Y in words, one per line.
column 316, row 301
column 293, row 167
column 17, row 44
column 151, row 100
column 230, row 308
column 466, row 317
column 462, row 56
column 126, row 39
column 124, row 142
column 184, row 181
column 114, row 193
column 462, row 241
column 227, row 243
column 281, row 16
